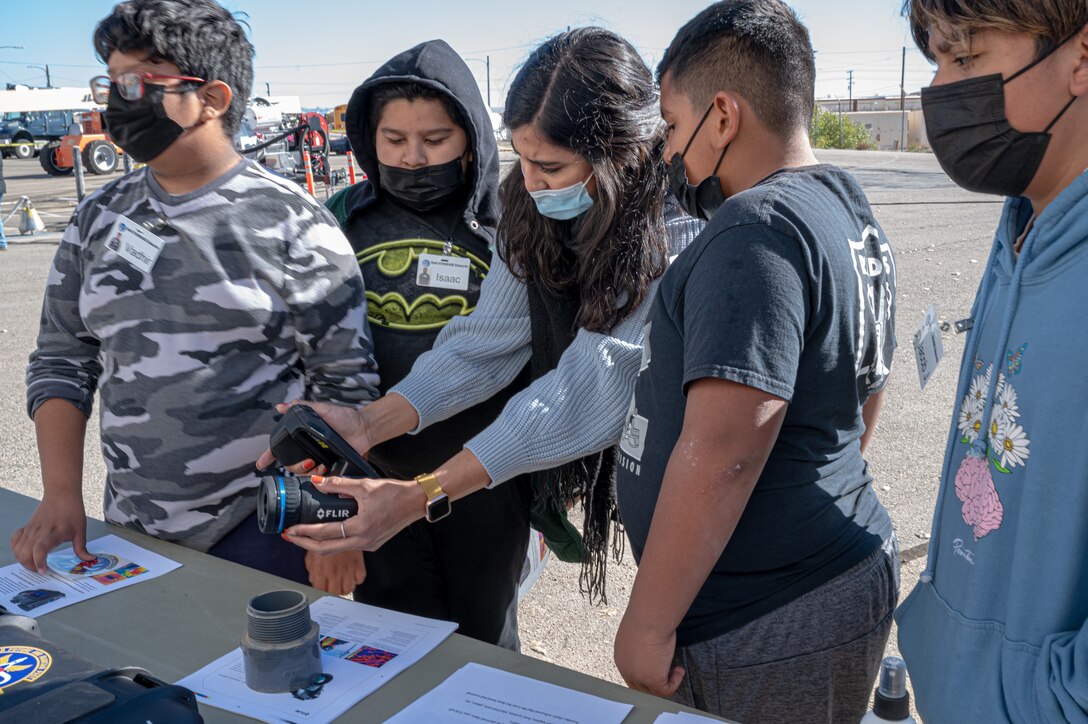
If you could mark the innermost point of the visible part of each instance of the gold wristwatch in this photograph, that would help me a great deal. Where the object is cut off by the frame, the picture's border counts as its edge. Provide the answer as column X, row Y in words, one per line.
column 438, row 503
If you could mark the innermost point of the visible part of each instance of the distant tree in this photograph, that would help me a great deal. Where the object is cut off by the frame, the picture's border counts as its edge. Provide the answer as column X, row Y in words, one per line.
column 826, row 131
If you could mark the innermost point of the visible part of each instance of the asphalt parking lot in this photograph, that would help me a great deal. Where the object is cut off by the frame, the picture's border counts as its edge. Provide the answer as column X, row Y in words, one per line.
column 940, row 235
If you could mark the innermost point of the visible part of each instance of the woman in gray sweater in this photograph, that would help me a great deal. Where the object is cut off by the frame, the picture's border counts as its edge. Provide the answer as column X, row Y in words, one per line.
column 587, row 230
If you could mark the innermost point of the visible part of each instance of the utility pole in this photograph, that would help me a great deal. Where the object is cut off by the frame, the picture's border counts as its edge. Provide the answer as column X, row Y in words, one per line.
column 903, row 102
column 48, row 80
column 486, row 60
column 850, row 90
column 840, row 121
column 267, row 89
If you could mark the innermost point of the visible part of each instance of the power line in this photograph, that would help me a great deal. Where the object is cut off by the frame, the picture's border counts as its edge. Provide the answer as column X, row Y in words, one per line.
column 320, row 65
column 860, row 52
column 383, row 60
column 55, row 65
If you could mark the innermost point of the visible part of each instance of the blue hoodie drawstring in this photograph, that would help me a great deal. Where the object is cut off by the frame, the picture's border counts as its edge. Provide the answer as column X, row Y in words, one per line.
column 1003, row 341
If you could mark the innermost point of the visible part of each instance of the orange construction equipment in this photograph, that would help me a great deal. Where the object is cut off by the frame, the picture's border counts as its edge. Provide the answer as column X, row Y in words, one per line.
column 309, row 172
column 351, row 167
column 98, row 153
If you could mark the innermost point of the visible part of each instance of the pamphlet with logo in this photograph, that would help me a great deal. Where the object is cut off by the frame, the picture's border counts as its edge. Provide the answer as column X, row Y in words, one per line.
column 362, row 648
column 70, row 579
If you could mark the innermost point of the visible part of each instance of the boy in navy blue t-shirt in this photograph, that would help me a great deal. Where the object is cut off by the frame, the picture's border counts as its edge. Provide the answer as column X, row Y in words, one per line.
column 768, row 570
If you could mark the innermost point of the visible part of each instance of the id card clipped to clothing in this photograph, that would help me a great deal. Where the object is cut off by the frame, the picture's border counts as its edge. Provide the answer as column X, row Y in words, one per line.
column 442, row 271
column 928, row 347
column 135, row 244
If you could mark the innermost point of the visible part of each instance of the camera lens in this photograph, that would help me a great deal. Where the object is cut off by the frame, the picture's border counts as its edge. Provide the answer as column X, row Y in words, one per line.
column 284, row 501
column 277, row 495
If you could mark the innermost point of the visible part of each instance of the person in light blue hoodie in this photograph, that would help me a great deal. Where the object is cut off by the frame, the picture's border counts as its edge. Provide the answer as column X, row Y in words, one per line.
column 997, row 628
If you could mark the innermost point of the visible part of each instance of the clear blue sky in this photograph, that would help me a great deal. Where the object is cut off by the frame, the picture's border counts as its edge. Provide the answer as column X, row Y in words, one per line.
column 321, row 50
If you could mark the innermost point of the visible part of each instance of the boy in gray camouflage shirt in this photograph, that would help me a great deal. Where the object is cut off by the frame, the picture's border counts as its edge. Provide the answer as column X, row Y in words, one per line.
column 194, row 295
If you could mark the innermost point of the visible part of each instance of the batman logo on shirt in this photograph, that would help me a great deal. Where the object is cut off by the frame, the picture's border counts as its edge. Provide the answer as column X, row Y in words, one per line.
column 394, row 299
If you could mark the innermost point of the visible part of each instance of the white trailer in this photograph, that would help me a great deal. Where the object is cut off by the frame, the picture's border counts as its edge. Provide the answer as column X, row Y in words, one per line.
column 22, row 99
column 32, row 117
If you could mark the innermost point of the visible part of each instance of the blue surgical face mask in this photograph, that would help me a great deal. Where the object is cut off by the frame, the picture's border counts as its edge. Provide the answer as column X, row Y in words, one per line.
column 563, row 204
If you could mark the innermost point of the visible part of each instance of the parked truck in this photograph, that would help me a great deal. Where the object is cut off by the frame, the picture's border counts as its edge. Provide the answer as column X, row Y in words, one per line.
column 23, row 134
column 30, row 118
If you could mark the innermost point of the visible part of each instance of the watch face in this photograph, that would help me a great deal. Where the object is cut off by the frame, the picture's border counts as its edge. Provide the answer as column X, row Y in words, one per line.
column 438, row 508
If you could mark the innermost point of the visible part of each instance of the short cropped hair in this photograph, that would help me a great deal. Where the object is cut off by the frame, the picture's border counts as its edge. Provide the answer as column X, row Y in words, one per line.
column 410, row 91
column 199, row 36
column 1050, row 22
column 758, row 49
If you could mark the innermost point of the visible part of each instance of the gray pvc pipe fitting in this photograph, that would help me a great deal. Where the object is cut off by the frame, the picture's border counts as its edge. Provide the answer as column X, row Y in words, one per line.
column 279, row 645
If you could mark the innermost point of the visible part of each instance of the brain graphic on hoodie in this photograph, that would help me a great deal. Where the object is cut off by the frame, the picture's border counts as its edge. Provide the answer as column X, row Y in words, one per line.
column 982, row 509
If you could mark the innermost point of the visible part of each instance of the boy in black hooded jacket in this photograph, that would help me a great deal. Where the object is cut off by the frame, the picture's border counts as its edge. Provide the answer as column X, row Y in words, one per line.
column 423, row 228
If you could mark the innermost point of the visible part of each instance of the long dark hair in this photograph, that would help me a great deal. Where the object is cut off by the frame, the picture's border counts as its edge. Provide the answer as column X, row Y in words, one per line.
column 588, row 90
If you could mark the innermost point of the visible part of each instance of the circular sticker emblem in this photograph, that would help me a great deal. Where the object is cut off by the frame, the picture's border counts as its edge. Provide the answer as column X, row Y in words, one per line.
column 69, row 564
column 22, row 663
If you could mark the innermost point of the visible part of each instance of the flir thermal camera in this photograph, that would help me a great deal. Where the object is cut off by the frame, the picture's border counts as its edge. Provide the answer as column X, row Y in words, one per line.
column 285, row 500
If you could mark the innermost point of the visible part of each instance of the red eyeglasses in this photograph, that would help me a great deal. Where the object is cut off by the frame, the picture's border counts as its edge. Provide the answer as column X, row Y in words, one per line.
column 131, row 85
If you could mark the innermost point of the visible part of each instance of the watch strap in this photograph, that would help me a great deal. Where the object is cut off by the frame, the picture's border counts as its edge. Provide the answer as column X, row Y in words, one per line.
column 431, row 488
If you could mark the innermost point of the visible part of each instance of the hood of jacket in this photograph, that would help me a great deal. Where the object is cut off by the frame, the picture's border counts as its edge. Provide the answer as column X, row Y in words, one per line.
column 1061, row 228
column 435, row 64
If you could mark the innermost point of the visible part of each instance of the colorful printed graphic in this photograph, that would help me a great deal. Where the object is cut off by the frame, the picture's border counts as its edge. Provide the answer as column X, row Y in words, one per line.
column 131, row 570
column 358, row 653
column 22, row 663
column 69, row 564
column 982, row 509
column 1007, row 445
column 107, row 578
column 371, row 656
column 1015, row 357
column 335, row 647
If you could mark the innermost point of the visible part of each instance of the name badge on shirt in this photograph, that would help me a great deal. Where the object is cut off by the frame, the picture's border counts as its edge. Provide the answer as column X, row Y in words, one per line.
column 442, row 271
column 135, row 244
column 928, row 348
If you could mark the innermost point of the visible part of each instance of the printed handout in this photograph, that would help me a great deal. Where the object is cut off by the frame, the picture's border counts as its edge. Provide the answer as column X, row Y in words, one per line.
column 362, row 647
column 483, row 695
column 116, row 565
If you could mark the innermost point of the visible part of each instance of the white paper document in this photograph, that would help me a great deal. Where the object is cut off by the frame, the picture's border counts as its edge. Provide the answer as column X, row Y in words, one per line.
column 682, row 717
column 483, row 695
column 362, row 647
column 117, row 564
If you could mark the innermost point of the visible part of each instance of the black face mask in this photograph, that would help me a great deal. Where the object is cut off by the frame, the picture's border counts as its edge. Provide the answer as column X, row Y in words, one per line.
column 702, row 200
column 140, row 127
column 972, row 139
column 424, row 188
